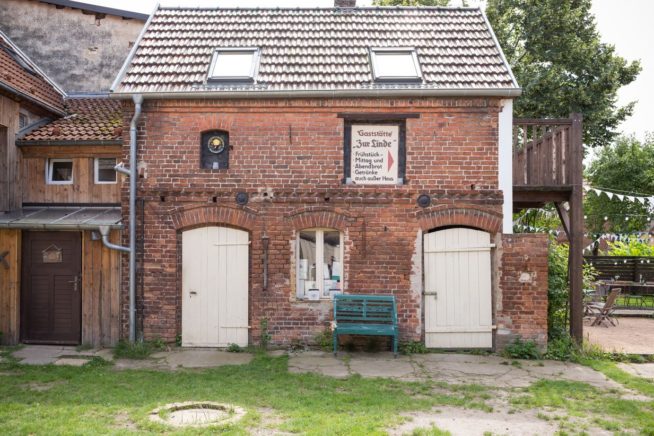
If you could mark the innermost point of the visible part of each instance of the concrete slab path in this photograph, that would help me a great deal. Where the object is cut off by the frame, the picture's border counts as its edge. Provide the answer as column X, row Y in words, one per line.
column 645, row 370
column 491, row 371
column 52, row 354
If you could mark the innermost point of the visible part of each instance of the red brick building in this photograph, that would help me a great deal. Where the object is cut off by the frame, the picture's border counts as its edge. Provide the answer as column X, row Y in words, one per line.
column 288, row 155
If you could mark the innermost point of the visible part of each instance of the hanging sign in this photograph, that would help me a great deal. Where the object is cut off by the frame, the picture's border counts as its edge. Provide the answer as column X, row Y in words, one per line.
column 374, row 154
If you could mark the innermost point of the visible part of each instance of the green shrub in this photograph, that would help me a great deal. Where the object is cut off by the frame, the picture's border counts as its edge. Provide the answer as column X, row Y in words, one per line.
column 264, row 339
column 562, row 348
column 412, row 347
column 324, row 340
column 520, row 349
column 158, row 344
column 133, row 350
column 234, row 348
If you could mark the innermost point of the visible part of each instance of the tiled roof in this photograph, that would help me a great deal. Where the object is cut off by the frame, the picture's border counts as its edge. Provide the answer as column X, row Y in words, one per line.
column 315, row 49
column 90, row 119
column 21, row 77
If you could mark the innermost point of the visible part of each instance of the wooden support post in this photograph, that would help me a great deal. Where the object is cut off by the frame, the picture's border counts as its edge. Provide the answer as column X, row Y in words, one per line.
column 564, row 216
column 575, row 260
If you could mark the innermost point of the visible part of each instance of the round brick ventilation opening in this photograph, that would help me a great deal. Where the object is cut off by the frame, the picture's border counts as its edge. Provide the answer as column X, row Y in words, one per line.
column 197, row 414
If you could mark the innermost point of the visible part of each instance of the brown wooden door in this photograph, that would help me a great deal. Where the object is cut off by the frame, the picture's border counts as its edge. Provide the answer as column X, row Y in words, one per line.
column 51, row 302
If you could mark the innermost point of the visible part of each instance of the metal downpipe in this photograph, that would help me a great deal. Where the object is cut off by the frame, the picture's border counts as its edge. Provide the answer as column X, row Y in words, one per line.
column 138, row 100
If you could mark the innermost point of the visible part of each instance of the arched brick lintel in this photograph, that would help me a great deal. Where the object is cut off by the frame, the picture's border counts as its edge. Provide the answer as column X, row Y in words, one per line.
column 476, row 217
column 214, row 215
column 309, row 217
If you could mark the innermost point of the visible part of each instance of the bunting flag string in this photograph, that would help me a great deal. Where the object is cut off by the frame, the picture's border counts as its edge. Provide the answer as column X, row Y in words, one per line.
column 642, row 199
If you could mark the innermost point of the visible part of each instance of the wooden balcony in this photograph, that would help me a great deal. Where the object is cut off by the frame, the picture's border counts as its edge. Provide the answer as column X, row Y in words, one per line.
column 547, row 160
column 547, row 168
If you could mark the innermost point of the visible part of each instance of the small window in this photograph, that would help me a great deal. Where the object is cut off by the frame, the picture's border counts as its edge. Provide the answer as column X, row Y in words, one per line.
column 395, row 64
column 23, row 120
column 319, row 263
column 59, row 172
column 104, row 170
column 234, row 64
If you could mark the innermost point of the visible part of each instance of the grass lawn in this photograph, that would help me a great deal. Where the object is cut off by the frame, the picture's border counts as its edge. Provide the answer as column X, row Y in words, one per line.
column 97, row 399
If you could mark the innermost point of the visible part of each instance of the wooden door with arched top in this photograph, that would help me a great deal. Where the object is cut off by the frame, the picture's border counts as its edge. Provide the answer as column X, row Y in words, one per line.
column 215, row 287
column 458, row 311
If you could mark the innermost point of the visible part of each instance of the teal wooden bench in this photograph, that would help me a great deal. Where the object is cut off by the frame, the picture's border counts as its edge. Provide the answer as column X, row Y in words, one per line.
column 365, row 315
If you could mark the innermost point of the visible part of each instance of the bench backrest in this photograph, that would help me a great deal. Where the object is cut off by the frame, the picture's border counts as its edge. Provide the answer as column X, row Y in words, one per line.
column 365, row 308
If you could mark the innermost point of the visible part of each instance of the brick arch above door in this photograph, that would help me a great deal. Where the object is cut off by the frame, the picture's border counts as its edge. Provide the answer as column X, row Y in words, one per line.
column 199, row 216
column 468, row 216
column 316, row 216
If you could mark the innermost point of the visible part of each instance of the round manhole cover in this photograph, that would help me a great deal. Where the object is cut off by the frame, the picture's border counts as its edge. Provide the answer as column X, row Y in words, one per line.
column 197, row 414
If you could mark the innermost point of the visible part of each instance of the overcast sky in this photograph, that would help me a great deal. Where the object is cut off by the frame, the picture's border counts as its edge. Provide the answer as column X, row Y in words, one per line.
column 627, row 24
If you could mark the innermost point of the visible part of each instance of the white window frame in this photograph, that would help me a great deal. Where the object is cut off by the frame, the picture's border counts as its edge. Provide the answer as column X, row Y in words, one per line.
column 253, row 69
column 404, row 50
column 96, row 169
column 320, row 254
column 48, row 172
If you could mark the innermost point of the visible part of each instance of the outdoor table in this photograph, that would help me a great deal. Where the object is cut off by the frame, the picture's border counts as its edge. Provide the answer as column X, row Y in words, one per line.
column 604, row 287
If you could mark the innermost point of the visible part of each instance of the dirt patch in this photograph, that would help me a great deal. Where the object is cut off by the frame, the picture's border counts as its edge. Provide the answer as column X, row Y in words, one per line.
column 42, row 387
column 123, row 421
column 269, row 424
column 632, row 335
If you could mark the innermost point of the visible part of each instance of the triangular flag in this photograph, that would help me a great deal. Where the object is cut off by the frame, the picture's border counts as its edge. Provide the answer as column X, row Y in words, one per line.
column 620, row 197
column 609, row 194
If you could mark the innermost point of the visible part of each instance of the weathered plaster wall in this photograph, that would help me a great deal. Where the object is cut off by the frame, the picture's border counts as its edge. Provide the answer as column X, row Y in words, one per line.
column 80, row 52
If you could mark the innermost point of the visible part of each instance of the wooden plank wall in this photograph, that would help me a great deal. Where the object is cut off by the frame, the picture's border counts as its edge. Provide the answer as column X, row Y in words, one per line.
column 83, row 189
column 9, row 156
column 10, row 286
column 100, row 291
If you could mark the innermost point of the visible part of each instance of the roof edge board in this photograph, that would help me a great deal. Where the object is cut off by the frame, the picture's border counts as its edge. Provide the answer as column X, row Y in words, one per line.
column 132, row 52
column 47, row 142
column 32, row 100
column 499, row 47
column 497, row 92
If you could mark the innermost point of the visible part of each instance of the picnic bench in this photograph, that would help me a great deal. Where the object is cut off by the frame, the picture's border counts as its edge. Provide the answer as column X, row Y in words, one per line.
column 365, row 315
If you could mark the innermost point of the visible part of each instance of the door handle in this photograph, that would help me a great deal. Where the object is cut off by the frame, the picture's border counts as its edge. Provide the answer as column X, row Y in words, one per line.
column 75, row 283
column 193, row 293
column 435, row 294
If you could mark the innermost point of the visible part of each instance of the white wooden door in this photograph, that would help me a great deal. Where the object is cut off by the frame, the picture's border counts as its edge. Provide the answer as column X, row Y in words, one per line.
column 214, row 287
column 458, row 289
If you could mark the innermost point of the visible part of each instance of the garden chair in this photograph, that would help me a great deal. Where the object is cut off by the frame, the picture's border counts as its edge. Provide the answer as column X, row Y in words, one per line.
column 601, row 312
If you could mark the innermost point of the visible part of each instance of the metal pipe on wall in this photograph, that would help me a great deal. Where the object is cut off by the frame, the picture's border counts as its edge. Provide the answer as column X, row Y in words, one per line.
column 132, row 173
column 138, row 100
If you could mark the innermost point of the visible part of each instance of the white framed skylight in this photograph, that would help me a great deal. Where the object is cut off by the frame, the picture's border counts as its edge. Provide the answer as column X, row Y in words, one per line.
column 234, row 64
column 397, row 64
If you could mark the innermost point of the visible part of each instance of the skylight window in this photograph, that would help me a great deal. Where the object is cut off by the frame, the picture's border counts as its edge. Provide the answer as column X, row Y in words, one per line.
column 234, row 64
column 395, row 64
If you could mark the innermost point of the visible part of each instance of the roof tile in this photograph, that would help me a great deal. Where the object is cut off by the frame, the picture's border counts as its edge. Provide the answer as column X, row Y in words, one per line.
column 89, row 119
column 315, row 49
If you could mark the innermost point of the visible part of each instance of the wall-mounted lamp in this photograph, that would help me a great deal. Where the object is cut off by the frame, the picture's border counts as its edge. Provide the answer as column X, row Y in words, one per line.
column 265, row 242
column 95, row 235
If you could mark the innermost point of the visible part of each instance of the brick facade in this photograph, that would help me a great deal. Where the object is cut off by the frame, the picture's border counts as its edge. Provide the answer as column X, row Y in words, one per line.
column 522, row 308
column 287, row 155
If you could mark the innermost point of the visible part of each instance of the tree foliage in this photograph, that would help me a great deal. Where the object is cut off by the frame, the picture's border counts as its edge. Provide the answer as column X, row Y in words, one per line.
column 631, row 247
column 410, row 2
column 627, row 165
column 562, row 66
